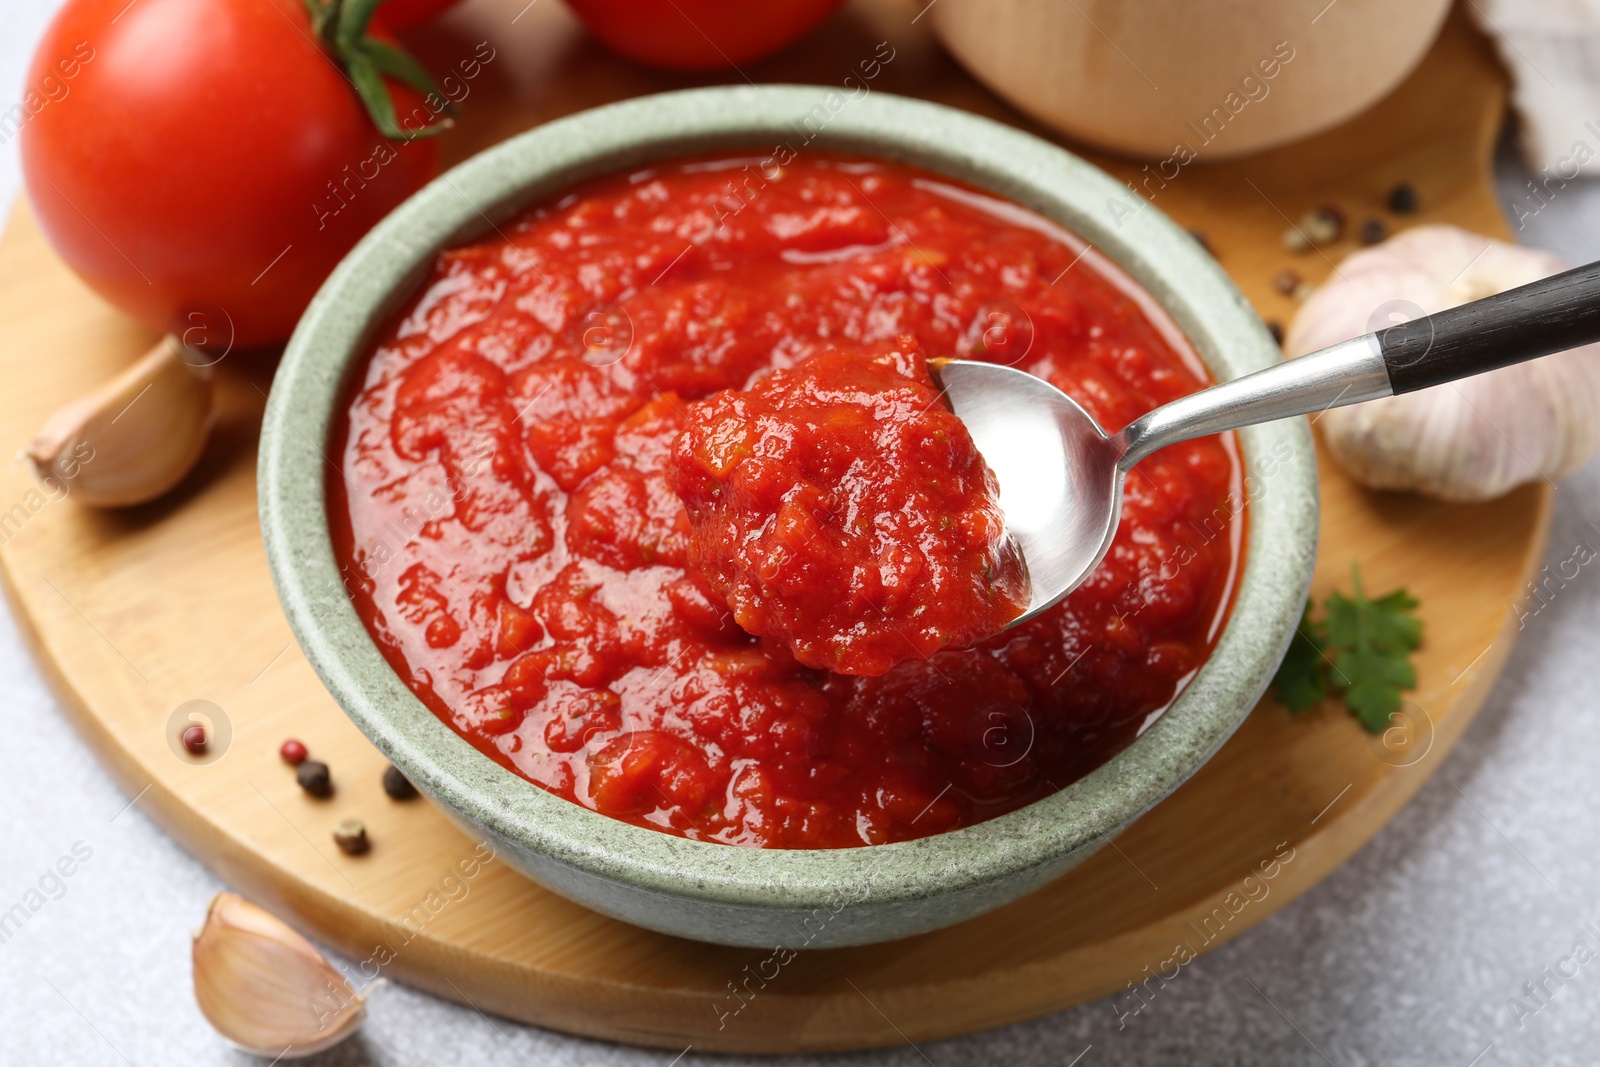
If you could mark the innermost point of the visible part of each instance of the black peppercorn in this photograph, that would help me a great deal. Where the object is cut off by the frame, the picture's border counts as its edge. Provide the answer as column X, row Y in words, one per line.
column 1403, row 199
column 397, row 785
column 314, row 778
column 1373, row 231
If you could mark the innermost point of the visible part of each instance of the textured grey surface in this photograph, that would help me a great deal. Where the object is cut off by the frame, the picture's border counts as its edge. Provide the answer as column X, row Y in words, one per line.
column 1410, row 955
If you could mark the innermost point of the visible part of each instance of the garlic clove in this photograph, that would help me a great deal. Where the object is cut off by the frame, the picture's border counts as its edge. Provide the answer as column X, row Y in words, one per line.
column 133, row 438
column 267, row 989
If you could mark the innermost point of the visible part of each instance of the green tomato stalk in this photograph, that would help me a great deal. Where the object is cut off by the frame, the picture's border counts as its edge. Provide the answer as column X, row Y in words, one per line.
column 341, row 27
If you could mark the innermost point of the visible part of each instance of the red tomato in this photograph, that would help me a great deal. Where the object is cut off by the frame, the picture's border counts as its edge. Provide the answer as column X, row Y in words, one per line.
column 202, row 164
column 400, row 14
column 700, row 34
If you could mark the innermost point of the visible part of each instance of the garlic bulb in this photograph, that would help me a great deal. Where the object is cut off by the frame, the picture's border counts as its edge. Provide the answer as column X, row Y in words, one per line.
column 1474, row 439
column 267, row 989
column 133, row 438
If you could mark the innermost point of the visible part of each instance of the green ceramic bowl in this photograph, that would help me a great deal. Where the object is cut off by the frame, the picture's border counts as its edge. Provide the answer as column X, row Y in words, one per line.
column 760, row 897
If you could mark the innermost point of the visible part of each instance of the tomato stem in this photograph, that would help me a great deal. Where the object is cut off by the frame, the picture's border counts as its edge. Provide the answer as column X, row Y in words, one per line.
column 341, row 27
column 350, row 27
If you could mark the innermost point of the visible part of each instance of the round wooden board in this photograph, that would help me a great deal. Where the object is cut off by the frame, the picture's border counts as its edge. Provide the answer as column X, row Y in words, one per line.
column 135, row 613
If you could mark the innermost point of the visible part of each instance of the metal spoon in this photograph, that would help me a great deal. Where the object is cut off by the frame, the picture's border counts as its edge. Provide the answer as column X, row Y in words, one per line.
column 1061, row 473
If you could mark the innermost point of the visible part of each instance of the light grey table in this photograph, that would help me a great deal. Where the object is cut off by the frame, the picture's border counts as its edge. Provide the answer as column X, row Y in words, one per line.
column 1419, row 951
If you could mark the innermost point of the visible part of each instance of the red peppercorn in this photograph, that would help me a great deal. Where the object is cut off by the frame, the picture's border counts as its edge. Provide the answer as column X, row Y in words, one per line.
column 293, row 752
column 194, row 739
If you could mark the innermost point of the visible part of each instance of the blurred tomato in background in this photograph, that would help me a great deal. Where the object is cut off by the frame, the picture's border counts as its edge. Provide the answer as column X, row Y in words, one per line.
column 700, row 34
column 401, row 14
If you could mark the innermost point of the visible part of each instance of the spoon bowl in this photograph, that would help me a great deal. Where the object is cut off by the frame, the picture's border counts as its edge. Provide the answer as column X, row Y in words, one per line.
column 1060, row 482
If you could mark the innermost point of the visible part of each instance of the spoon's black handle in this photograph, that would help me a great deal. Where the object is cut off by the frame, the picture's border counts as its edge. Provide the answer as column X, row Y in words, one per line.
column 1550, row 315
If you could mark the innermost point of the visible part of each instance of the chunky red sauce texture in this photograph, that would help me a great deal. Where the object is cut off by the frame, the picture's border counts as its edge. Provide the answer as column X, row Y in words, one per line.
column 511, row 535
column 841, row 509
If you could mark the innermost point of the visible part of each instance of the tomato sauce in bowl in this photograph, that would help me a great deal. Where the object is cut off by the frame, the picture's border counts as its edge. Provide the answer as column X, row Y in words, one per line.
column 511, row 537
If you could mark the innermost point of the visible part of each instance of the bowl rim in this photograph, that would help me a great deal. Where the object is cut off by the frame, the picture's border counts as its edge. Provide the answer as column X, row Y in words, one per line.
column 331, row 341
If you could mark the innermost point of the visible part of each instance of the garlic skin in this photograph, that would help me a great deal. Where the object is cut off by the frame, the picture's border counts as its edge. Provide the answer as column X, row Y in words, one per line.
column 132, row 439
column 1470, row 440
column 267, row 989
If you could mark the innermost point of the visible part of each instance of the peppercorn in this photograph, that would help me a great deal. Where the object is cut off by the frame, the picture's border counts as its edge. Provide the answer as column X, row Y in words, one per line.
column 1403, row 199
column 194, row 739
column 1373, row 231
column 1275, row 328
column 314, row 778
column 293, row 752
column 1203, row 241
column 1285, row 280
column 1324, row 225
column 351, row 837
column 397, row 785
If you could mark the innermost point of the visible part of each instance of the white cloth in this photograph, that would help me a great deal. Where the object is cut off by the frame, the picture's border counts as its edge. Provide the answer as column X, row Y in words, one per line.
column 1552, row 48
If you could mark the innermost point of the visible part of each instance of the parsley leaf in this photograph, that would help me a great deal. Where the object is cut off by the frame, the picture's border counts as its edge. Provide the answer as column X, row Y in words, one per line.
column 1369, row 643
column 1302, row 678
